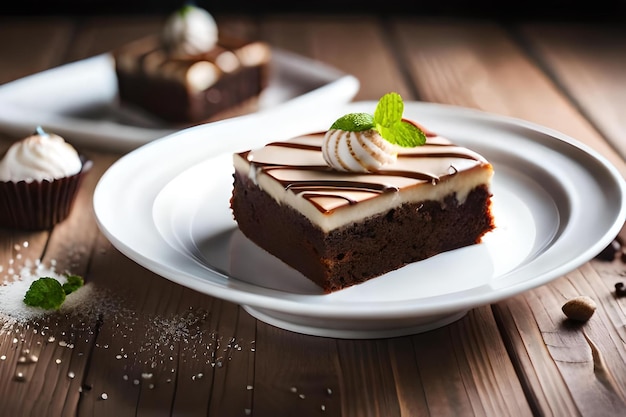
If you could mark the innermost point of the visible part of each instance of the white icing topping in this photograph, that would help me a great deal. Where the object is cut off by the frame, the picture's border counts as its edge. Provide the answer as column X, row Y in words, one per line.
column 190, row 31
column 364, row 151
column 39, row 157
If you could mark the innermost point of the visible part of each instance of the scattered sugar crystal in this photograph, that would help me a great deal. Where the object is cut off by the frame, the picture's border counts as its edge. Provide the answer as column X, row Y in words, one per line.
column 171, row 333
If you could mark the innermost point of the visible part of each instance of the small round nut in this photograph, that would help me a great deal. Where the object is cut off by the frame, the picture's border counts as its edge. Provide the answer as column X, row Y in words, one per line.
column 579, row 308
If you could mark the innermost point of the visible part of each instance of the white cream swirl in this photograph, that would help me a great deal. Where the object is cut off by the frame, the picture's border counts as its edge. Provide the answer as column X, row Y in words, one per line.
column 190, row 31
column 39, row 157
column 364, row 151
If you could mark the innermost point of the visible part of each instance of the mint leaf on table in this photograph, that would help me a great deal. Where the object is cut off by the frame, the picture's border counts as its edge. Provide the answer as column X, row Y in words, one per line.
column 73, row 283
column 46, row 293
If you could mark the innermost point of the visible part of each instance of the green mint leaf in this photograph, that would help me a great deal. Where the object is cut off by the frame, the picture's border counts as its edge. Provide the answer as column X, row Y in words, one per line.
column 354, row 122
column 389, row 110
column 389, row 123
column 403, row 134
column 46, row 293
column 73, row 283
column 186, row 9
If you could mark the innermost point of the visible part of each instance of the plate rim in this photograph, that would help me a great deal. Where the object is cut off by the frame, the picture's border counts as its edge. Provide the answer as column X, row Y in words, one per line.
column 360, row 313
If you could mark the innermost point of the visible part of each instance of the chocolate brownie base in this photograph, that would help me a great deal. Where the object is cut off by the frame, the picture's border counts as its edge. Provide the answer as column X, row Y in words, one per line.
column 172, row 101
column 360, row 251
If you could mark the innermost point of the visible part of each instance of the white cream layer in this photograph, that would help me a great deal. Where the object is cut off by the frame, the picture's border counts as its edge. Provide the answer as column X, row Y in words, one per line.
column 328, row 210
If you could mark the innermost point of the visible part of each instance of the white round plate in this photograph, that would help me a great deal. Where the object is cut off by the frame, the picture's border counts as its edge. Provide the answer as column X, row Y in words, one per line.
column 557, row 204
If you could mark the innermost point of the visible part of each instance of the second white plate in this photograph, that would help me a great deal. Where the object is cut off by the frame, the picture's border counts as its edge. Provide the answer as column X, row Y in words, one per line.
column 80, row 100
column 177, row 222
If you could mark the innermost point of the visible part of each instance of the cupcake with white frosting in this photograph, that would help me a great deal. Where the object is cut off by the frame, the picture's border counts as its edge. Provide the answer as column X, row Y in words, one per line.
column 39, row 178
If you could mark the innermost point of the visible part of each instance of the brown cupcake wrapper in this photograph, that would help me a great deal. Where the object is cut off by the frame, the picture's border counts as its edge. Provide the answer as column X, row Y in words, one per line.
column 39, row 205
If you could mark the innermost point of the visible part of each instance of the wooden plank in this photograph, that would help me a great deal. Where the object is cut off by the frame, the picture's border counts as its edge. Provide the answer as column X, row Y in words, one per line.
column 579, row 352
column 353, row 44
column 477, row 65
column 459, row 378
column 98, row 35
column 33, row 45
column 296, row 375
column 587, row 61
column 163, row 349
column 42, row 44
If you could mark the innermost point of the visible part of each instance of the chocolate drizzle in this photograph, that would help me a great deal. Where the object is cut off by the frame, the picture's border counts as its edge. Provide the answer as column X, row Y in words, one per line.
column 299, row 166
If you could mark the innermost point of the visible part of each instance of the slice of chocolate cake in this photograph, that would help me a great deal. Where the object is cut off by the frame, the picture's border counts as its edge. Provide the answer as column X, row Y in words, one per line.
column 339, row 227
column 190, row 73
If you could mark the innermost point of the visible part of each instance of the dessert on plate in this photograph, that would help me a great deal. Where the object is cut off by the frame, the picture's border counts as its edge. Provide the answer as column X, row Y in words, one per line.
column 39, row 178
column 191, row 72
column 370, row 195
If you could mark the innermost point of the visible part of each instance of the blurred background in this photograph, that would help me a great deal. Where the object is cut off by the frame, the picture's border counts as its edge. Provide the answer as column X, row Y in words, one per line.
column 549, row 9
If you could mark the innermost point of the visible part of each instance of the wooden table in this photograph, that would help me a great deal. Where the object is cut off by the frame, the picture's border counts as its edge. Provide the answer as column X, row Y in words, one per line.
column 162, row 349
